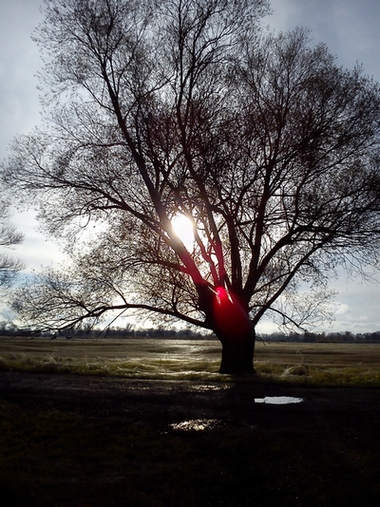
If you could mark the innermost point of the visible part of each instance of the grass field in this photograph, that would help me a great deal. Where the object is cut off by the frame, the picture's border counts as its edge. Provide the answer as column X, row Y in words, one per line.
column 172, row 359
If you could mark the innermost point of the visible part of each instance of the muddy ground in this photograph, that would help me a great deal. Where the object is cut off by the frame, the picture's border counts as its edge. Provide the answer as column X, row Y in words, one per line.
column 162, row 403
column 324, row 450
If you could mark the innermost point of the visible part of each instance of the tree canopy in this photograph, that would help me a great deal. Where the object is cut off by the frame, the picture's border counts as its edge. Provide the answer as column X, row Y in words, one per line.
column 9, row 236
column 190, row 107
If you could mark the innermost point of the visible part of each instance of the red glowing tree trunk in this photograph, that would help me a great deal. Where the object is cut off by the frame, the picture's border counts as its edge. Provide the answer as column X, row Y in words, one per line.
column 227, row 315
column 235, row 331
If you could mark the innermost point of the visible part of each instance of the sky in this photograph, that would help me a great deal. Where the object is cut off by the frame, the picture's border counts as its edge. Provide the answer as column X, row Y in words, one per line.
column 351, row 30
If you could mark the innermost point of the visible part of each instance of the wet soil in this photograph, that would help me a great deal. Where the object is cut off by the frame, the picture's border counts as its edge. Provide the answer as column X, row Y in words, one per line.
column 163, row 402
column 322, row 451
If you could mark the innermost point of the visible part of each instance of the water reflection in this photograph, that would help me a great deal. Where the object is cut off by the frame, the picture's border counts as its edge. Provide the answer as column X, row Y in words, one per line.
column 209, row 387
column 206, row 424
column 196, row 425
column 278, row 400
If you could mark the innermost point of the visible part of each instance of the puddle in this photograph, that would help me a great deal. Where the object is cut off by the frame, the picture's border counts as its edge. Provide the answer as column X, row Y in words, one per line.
column 278, row 400
column 206, row 424
column 196, row 425
column 204, row 388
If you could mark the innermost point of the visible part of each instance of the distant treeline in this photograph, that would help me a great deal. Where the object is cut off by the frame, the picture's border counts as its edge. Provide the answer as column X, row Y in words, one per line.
column 130, row 331
column 332, row 337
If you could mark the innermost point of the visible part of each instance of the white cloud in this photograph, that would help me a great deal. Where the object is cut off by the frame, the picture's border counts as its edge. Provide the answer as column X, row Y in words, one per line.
column 341, row 309
column 19, row 63
column 350, row 28
column 36, row 250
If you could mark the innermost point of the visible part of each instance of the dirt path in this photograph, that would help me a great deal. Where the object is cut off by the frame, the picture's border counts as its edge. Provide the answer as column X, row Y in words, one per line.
column 165, row 402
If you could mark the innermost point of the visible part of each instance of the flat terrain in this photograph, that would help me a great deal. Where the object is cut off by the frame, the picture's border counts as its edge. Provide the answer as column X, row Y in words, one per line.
column 81, row 440
column 175, row 359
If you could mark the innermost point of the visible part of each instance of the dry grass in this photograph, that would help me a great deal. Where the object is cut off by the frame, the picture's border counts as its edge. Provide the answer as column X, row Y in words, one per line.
column 310, row 364
column 334, row 364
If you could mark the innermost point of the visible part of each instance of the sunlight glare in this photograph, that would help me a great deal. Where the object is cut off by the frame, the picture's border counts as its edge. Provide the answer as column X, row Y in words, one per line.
column 183, row 228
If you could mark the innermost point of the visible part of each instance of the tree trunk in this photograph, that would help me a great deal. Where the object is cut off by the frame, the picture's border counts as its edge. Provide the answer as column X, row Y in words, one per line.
column 228, row 316
column 234, row 329
column 237, row 353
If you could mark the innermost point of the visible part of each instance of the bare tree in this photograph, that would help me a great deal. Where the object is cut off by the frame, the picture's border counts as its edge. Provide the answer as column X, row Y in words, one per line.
column 9, row 236
column 169, row 108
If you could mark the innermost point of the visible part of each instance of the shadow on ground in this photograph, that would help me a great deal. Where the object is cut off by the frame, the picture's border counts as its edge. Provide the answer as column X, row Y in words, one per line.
column 71, row 440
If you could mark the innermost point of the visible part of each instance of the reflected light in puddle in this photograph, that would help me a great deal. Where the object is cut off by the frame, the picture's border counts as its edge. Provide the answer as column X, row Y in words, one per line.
column 206, row 424
column 196, row 425
column 278, row 400
column 204, row 388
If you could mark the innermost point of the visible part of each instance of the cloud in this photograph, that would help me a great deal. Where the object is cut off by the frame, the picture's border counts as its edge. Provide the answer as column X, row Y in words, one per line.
column 19, row 63
column 36, row 250
column 341, row 309
column 348, row 27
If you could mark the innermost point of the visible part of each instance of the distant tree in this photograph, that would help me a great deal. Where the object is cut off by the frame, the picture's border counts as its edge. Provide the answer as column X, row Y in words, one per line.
column 163, row 109
column 9, row 236
column 8, row 329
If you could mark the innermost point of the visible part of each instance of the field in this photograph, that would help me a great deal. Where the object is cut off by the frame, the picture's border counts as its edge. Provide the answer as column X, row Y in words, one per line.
column 151, row 423
column 308, row 364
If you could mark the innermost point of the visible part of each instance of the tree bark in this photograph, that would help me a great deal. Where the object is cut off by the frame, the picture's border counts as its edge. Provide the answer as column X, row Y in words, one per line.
column 235, row 331
column 228, row 316
column 237, row 353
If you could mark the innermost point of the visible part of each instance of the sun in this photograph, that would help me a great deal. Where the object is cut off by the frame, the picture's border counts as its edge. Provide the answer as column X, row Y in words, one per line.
column 184, row 229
